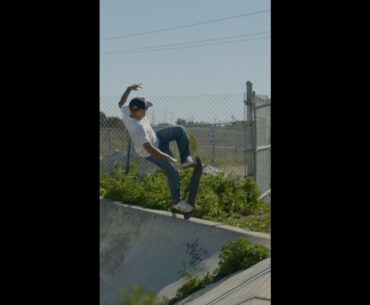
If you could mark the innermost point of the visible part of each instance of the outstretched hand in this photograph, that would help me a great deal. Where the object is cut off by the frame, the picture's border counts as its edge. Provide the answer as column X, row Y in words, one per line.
column 134, row 87
column 176, row 163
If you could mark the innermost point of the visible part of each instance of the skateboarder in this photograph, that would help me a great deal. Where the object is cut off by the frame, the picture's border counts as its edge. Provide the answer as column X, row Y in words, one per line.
column 154, row 145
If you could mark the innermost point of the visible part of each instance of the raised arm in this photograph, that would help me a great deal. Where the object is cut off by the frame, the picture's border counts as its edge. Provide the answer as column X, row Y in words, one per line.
column 127, row 92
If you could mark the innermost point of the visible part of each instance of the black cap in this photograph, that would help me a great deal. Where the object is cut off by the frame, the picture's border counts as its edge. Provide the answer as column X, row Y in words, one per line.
column 139, row 103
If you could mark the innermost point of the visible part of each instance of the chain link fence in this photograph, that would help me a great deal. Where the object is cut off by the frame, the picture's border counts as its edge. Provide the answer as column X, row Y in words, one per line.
column 263, row 145
column 217, row 125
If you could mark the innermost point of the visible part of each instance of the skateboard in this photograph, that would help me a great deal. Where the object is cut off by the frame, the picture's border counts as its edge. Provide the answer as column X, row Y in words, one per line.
column 194, row 185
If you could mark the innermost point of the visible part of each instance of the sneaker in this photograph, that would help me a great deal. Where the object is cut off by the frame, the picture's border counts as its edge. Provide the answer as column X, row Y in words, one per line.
column 188, row 162
column 183, row 206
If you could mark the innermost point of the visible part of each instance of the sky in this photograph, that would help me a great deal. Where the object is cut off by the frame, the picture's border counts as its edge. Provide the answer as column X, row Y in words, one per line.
column 182, row 69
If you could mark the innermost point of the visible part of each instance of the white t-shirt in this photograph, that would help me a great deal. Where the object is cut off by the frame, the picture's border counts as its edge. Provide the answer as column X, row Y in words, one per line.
column 140, row 132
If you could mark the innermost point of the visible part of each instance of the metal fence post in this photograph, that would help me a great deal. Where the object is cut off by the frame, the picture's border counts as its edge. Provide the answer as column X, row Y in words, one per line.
column 254, row 135
column 213, row 143
column 245, row 137
column 249, row 133
column 128, row 156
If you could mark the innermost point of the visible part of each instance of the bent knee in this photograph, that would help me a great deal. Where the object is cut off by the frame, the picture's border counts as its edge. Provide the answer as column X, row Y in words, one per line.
column 180, row 128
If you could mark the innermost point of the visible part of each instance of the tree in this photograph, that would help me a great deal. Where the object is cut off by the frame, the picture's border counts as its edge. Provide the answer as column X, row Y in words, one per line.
column 103, row 119
column 181, row 122
column 110, row 122
column 114, row 122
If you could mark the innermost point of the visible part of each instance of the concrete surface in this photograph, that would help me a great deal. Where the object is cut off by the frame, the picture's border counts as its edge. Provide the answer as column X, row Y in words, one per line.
column 251, row 286
column 152, row 248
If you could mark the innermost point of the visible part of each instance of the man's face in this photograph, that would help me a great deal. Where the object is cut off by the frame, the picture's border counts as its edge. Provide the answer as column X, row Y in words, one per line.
column 139, row 113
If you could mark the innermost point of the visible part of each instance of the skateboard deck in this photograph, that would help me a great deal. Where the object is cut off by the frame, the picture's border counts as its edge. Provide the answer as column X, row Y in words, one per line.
column 194, row 185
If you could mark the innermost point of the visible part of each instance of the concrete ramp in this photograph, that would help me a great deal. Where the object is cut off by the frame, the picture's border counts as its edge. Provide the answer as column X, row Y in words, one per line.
column 247, row 287
column 152, row 248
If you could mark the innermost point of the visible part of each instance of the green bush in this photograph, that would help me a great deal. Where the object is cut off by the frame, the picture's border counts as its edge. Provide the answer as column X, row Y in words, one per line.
column 239, row 254
column 229, row 200
column 192, row 284
column 139, row 296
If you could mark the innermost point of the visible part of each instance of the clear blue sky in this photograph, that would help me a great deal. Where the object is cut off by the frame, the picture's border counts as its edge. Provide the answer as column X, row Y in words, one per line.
column 213, row 69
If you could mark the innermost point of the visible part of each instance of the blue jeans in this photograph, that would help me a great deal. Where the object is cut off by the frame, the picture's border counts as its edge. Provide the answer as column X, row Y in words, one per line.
column 165, row 136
